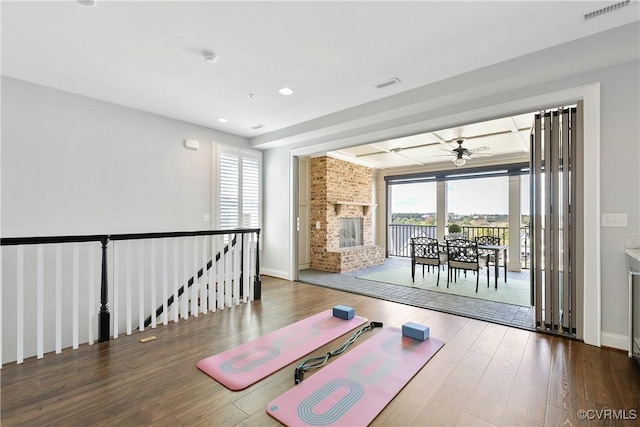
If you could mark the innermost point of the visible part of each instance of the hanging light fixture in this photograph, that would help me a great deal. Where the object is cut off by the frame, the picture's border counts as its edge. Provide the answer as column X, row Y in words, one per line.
column 459, row 161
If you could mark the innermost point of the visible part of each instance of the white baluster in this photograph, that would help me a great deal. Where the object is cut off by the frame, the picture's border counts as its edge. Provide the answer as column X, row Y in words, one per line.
column 127, row 263
column 20, row 306
column 75, row 297
column 252, row 264
column 58, row 298
column 227, row 278
column 212, row 276
column 40, row 301
column 245, row 266
column 185, row 277
column 153, row 284
column 92, row 286
column 116, row 289
column 205, row 273
column 165, row 279
column 1, row 340
column 236, row 271
column 175, row 280
column 220, row 266
column 195, row 288
column 141, row 285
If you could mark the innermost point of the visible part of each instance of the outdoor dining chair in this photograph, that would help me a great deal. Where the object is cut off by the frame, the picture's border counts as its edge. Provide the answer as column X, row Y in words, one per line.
column 463, row 254
column 488, row 240
column 425, row 251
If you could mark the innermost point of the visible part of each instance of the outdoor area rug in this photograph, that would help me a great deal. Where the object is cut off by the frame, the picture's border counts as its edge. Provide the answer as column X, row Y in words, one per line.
column 239, row 367
column 355, row 388
column 513, row 292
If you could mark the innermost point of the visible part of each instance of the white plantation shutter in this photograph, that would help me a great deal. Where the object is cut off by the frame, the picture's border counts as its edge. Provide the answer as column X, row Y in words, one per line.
column 238, row 189
column 229, row 175
column 250, row 192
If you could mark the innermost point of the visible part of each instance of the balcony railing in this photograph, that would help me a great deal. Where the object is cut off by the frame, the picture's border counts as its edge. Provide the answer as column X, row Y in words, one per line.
column 400, row 237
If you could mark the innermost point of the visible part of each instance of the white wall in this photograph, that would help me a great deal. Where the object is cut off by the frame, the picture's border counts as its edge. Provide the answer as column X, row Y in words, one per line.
column 620, row 186
column 620, row 176
column 276, row 238
column 75, row 165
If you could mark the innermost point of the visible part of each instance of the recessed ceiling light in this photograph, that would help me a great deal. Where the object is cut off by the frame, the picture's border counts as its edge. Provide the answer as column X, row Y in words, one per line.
column 209, row 57
column 88, row 3
column 222, row 120
column 286, row 91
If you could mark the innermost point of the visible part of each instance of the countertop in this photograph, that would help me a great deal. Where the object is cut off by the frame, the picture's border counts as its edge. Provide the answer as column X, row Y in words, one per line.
column 633, row 253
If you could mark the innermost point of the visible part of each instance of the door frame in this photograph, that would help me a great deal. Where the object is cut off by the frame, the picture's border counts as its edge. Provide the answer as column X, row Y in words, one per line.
column 590, row 95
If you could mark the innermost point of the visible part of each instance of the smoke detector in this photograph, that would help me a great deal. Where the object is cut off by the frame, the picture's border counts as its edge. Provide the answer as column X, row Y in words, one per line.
column 209, row 57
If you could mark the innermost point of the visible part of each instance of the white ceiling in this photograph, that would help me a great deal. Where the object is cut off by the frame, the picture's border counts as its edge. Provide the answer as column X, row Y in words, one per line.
column 148, row 54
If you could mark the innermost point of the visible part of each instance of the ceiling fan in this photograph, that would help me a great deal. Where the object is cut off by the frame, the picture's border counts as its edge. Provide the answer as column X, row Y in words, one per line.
column 462, row 154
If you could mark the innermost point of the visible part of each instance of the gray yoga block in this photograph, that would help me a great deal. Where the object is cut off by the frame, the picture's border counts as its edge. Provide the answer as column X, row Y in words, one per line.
column 343, row 312
column 415, row 331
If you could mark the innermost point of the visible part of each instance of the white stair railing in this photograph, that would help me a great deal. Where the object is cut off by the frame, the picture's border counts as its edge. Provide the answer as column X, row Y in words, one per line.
column 54, row 292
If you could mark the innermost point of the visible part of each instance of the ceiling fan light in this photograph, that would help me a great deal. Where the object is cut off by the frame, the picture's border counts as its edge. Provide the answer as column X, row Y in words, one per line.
column 459, row 161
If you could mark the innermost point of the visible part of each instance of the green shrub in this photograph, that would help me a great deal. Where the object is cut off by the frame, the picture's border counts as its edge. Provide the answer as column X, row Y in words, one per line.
column 454, row 228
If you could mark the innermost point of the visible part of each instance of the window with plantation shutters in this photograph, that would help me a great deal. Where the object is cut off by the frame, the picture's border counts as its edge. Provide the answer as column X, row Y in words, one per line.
column 250, row 192
column 238, row 197
column 229, row 175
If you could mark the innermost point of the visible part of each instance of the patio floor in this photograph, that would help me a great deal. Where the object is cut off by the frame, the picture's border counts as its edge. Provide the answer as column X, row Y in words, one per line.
column 491, row 311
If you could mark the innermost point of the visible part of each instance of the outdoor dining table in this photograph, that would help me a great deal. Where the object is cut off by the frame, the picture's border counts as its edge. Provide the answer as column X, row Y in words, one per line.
column 496, row 250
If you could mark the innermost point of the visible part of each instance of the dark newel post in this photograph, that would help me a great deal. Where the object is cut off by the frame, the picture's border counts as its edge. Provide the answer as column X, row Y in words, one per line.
column 257, row 283
column 242, row 265
column 104, row 317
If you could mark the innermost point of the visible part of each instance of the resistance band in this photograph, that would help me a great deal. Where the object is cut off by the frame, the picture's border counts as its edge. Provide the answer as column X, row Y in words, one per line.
column 320, row 361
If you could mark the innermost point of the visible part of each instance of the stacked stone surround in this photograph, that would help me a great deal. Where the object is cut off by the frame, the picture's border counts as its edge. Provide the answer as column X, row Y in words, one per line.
column 332, row 181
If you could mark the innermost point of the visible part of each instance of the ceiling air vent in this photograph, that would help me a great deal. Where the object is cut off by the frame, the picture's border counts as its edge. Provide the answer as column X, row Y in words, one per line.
column 256, row 127
column 605, row 10
column 388, row 83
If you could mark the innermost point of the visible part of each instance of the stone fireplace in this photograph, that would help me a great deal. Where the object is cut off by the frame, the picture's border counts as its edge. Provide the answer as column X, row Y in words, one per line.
column 341, row 236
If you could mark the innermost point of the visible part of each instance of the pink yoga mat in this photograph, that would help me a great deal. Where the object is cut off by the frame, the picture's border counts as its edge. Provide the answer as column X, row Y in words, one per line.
column 355, row 388
column 239, row 367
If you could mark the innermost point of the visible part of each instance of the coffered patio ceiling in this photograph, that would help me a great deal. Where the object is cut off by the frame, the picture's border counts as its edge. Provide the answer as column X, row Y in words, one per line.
column 151, row 55
column 493, row 141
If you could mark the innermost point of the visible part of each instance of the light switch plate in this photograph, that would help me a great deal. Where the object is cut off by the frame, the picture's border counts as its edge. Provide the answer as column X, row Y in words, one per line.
column 206, row 218
column 615, row 220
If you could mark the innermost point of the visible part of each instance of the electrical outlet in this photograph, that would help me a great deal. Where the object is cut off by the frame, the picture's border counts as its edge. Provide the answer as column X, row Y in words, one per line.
column 615, row 220
column 206, row 218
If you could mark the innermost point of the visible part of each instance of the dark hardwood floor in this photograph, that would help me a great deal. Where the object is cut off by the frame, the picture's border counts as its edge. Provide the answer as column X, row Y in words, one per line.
column 486, row 374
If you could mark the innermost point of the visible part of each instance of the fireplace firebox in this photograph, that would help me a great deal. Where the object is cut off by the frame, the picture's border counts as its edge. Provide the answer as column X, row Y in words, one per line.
column 350, row 232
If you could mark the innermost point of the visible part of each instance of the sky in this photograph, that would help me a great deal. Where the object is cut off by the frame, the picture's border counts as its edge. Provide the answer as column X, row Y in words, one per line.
column 466, row 197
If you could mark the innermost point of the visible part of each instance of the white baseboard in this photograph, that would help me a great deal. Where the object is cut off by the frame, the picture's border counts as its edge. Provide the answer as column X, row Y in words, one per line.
column 608, row 339
column 275, row 273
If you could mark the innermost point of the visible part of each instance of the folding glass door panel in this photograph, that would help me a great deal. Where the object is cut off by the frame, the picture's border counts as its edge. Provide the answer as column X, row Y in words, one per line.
column 556, row 220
